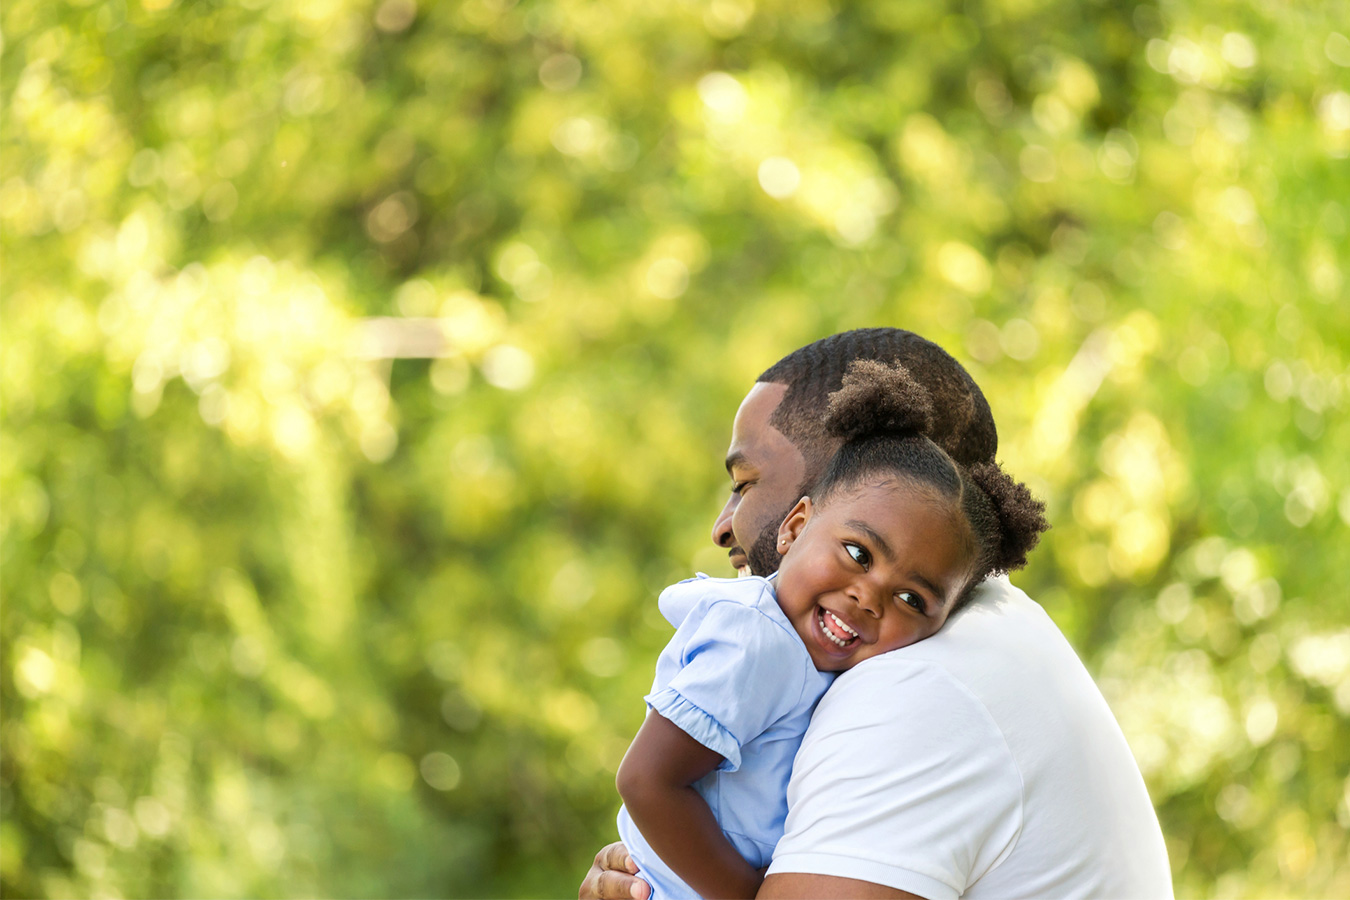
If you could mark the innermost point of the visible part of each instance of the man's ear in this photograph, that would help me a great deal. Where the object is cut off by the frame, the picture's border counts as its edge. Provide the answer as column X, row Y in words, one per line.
column 794, row 523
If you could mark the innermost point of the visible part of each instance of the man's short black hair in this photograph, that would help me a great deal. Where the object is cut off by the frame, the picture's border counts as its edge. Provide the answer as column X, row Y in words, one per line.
column 962, row 424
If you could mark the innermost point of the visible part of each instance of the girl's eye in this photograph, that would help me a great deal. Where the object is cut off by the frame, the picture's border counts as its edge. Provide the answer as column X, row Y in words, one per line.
column 860, row 556
column 912, row 599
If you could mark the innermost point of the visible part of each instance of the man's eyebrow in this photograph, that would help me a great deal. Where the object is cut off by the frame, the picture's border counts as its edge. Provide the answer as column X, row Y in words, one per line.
column 734, row 459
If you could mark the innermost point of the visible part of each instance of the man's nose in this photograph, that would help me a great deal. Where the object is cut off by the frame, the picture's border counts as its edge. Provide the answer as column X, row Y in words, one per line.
column 722, row 535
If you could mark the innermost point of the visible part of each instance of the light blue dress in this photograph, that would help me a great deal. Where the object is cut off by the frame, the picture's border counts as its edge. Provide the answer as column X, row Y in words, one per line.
column 736, row 678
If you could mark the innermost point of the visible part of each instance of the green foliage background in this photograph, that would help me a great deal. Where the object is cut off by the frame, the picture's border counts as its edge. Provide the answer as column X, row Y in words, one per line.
column 282, row 617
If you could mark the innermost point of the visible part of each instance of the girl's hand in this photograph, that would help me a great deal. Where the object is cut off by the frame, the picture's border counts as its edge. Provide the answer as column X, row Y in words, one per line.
column 613, row 876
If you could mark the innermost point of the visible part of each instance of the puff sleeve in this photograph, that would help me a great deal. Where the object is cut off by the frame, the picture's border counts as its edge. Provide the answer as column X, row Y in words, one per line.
column 736, row 672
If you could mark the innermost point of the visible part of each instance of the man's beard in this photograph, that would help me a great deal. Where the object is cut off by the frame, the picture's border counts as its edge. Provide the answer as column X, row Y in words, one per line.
column 763, row 555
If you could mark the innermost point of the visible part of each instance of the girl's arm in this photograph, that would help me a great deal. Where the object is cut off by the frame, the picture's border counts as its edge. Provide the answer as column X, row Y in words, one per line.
column 656, row 781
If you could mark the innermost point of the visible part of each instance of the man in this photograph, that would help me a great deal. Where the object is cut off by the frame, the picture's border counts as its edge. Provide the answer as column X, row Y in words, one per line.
column 982, row 762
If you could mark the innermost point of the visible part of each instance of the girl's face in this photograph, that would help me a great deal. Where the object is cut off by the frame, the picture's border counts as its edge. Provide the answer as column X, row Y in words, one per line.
column 875, row 568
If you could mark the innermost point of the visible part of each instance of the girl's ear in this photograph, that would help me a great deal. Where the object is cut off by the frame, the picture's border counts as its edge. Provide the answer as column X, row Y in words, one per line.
column 794, row 523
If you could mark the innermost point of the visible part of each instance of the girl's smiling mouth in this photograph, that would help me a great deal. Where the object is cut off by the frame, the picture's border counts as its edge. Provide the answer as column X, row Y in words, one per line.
column 834, row 629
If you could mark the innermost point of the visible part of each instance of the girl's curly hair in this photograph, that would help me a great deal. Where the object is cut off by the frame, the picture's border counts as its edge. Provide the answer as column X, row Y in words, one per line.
column 883, row 416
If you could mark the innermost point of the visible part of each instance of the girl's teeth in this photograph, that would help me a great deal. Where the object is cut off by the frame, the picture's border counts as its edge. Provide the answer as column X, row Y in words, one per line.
column 824, row 628
column 840, row 622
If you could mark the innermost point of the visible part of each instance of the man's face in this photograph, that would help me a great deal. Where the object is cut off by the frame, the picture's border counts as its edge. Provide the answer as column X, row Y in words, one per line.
column 767, row 472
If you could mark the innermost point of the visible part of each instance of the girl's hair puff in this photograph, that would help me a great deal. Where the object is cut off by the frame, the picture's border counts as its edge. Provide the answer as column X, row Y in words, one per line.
column 877, row 399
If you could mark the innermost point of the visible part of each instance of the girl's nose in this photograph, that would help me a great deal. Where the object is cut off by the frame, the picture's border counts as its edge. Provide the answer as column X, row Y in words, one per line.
column 868, row 599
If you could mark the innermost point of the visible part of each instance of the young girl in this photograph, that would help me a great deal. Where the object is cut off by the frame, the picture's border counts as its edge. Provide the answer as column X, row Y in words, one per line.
column 890, row 542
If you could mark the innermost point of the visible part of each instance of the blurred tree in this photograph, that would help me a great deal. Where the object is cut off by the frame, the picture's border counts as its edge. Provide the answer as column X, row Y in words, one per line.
column 366, row 368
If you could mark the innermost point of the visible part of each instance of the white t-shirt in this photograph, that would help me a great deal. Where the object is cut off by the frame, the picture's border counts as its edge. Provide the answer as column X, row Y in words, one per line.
column 980, row 763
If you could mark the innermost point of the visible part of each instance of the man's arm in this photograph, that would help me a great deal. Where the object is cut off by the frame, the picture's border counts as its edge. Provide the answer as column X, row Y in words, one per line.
column 656, row 781
column 798, row 886
column 613, row 877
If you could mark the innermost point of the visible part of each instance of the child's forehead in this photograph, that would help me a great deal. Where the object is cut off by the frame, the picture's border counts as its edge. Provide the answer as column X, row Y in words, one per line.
column 885, row 487
column 893, row 504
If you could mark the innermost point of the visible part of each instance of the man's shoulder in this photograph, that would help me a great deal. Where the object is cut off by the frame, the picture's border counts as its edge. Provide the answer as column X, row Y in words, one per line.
column 1003, row 679
column 1000, row 759
column 995, row 657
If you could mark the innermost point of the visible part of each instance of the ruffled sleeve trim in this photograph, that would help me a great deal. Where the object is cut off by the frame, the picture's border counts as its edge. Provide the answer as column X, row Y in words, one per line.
column 700, row 726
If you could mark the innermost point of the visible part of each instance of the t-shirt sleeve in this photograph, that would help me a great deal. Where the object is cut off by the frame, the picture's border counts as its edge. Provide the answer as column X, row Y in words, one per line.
column 740, row 672
column 903, row 780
